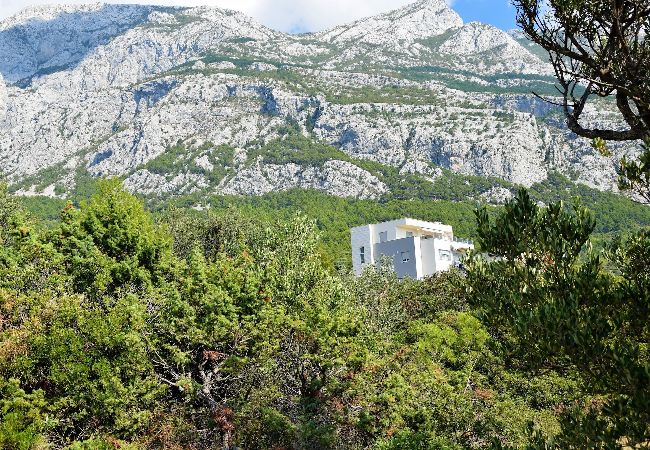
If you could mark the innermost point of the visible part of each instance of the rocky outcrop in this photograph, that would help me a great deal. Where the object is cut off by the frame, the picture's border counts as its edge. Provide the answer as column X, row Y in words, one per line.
column 113, row 44
column 3, row 100
column 145, row 182
column 497, row 196
column 499, row 50
column 419, row 20
column 45, row 39
column 469, row 144
column 339, row 178
column 107, row 89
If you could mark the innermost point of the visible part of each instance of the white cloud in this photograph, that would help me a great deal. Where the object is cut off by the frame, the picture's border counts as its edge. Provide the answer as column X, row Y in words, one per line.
column 314, row 15
column 286, row 15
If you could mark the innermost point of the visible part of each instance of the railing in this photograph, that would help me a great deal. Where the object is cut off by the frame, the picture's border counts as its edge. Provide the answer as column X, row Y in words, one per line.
column 455, row 239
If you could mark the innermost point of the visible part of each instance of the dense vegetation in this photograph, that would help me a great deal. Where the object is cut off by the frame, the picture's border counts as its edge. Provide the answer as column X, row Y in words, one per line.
column 128, row 327
column 335, row 216
column 218, row 330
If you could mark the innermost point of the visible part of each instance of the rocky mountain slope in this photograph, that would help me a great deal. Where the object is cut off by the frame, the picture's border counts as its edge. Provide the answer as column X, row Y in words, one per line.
column 204, row 100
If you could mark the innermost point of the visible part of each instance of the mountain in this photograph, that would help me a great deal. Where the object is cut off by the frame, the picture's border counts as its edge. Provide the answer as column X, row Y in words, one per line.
column 3, row 99
column 207, row 101
column 43, row 40
column 420, row 20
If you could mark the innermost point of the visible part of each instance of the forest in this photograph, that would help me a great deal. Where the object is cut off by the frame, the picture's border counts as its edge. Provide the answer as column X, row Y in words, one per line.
column 125, row 325
column 214, row 330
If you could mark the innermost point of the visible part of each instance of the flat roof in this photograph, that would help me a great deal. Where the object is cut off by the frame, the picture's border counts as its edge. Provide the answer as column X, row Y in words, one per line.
column 413, row 223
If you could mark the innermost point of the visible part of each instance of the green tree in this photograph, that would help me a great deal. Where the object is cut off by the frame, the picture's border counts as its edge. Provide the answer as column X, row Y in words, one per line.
column 547, row 296
column 635, row 176
column 85, row 351
column 89, row 360
column 23, row 420
column 213, row 327
column 235, row 332
column 601, row 52
column 258, row 337
column 26, row 261
column 112, row 245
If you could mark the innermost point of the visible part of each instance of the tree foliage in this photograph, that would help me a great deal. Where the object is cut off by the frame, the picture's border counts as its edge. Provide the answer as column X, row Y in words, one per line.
column 551, row 301
column 598, row 49
column 221, row 332
column 634, row 176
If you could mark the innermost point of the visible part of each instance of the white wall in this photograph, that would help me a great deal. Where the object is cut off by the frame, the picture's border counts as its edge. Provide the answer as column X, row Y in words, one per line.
column 426, row 254
column 431, row 260
column 419, row 267
column 362, row 237
column 398, row 229
column 390, row 228
column 443, row 245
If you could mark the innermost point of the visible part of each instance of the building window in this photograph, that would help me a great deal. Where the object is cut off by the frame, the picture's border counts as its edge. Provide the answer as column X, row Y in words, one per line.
column 383, row 236
column 362, row 255
column 409, row 234
column 444, row 255
column 406, row 257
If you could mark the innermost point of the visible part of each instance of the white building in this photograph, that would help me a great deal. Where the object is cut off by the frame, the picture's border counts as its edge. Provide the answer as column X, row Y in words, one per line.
column 418, row 249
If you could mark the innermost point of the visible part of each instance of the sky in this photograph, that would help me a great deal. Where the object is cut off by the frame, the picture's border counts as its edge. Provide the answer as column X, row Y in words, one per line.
column 313, row 15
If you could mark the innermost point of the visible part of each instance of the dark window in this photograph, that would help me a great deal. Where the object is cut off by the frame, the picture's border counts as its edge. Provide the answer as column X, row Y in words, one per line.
column 406, row 257
column 362, row 254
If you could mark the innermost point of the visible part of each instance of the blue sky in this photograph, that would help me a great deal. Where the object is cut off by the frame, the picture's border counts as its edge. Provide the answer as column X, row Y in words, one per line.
column 499, row 13
column 312, row 15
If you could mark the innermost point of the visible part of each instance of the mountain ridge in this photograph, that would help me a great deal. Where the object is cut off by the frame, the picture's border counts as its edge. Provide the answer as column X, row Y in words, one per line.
column 185, row 82
column 423, row 18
